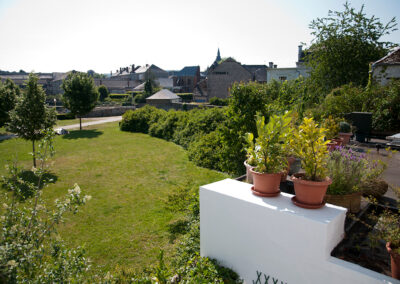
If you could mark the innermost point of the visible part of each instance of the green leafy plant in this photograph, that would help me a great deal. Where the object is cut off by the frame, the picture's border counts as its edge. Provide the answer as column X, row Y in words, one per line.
column 270, row 147
column 331, row 126
column 344, row 127
column 309, row 145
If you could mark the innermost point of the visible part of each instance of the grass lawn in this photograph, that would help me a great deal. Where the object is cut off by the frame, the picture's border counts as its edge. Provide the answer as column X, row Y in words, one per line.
column 129, row 177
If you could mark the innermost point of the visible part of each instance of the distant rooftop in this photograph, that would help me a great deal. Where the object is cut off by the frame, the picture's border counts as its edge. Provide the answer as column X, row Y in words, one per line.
column 188, row 71
column 163, row 95
column 392, row 58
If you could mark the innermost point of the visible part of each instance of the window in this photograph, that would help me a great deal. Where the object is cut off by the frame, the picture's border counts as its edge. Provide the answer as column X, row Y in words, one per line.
column 221, row 73
column 282, row 78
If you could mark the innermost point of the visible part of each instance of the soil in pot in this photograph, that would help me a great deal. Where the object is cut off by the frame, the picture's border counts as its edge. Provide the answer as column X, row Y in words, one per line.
column 310, row 194
column 266, row 185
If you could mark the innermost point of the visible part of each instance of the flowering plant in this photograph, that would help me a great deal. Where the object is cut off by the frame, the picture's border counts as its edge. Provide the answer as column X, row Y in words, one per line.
column 346, row 169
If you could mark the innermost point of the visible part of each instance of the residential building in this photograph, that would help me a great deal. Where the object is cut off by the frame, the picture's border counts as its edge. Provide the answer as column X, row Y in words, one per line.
column 186, row 79
column 387, row 68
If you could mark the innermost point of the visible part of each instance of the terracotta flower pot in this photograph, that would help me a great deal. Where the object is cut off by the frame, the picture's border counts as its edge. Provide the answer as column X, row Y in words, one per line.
column 266, row 185
column 309, row 194
column 338, row 141
column 249, row 176
column 346, row 137
column 350, row 201
column 394, row 261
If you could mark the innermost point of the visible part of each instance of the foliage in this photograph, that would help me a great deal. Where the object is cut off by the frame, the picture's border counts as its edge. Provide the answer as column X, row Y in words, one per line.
column 345, row 42
column 186, row 97
column 29, row 248
column 103, row 92
column 309, row 145
column 148, row 88
column 197, row 123
column 166, row 126
column 218, row 101
column 207, row 149
column 8, row 97
column 65, row 116
column 31, row 115
column 331, row 126
column 272, row 143
column 344, row 127
column 246, row 101
column 141, row 119
column 346, row 168
column 119, row 96
column 80, row 94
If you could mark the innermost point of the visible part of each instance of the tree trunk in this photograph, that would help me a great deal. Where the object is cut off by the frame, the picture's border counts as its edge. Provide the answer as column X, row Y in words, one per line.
column 34, row 154
column 80, row 123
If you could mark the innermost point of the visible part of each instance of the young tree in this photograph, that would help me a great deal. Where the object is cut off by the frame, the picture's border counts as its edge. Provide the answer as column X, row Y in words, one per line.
column 8, row 97
column 31, row 115
column 80, row 94
column 103, row 92
column 344, row 45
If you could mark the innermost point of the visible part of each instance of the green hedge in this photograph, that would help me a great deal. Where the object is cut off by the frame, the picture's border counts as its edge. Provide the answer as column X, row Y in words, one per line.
column 65, row 116
column 119, row 96
column 186, row 97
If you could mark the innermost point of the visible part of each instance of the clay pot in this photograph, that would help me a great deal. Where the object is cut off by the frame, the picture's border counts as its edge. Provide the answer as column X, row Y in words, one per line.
column 249, row 176
column 309, row 194
column 346, row 137
column 350, row 201
column 266, row 184
column 338, row 141
column 394, row 261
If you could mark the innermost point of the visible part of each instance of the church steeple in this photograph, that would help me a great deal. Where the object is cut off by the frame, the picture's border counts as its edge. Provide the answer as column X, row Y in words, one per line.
column 218, row 56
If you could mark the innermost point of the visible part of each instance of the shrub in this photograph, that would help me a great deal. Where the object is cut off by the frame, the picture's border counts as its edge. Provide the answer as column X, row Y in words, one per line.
column 165, row 127
column 186, row 97
column 206, row 151
column 119, row 96
column 197, row 123
column 218, row 101
column 140, row 120
column 103, row 92
column 65, row 116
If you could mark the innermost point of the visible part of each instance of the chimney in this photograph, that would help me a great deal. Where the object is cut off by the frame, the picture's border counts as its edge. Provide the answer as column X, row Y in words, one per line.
column 133, row 68
column 111, row 72
column 271, row 65
column 300, row 52
column 275, row 66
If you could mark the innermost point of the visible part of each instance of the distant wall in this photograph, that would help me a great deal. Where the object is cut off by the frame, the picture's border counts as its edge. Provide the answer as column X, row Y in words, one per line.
column 384, row 73
column 109, row 111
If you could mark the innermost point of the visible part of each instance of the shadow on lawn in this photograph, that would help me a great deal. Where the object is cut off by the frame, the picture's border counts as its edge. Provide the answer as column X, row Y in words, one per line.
column 77, row 134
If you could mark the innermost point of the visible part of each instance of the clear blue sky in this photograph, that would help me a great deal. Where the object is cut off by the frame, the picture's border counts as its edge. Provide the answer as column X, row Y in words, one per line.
column 60, row 35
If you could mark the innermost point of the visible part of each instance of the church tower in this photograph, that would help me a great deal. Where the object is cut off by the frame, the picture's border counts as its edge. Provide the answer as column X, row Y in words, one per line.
column 218, row 57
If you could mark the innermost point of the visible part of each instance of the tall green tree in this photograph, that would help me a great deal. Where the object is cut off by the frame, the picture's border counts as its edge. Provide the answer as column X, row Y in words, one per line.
column 80, row 94
column 8, row 97
column 344, row 45
column 31, row 115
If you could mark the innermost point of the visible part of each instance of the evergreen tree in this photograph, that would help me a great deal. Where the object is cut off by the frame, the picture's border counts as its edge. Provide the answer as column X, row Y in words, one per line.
column 8, row 97
column 80, row 94
column 103, row 92
column 31, row 115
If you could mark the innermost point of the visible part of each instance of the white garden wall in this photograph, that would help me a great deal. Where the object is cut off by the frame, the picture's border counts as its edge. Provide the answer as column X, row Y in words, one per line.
column 270, row 240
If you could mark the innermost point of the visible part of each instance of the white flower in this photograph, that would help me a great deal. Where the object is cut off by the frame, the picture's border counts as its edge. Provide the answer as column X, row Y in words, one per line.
column 12, row 263
column 77, row 189
column 88, row 197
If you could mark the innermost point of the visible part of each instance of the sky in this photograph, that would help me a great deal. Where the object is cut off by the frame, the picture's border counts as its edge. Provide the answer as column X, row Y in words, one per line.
column 103, row 35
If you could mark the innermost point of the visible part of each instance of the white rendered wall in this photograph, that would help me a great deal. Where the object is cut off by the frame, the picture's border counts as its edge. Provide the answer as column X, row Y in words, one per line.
column 274, row 241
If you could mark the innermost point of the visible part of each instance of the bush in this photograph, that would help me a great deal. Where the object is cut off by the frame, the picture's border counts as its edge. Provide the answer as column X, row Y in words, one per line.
column 206, row 151
column 65, row 116
column 119, row 96
column 141, row 119
column 165, row 127
column 186, row 97
column 218, row 102
column 103, row 92
column 197, row 123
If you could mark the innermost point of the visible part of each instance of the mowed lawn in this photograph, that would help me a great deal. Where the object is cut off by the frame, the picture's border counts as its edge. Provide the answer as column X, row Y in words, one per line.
column 129, row 176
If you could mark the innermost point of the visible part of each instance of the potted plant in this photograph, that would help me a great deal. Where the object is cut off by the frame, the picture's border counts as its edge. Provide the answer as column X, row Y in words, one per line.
column 270, row 150
column 309, row 144
column 345, row 132
column 346, row 169
column 250, row 162
column 332, row 132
